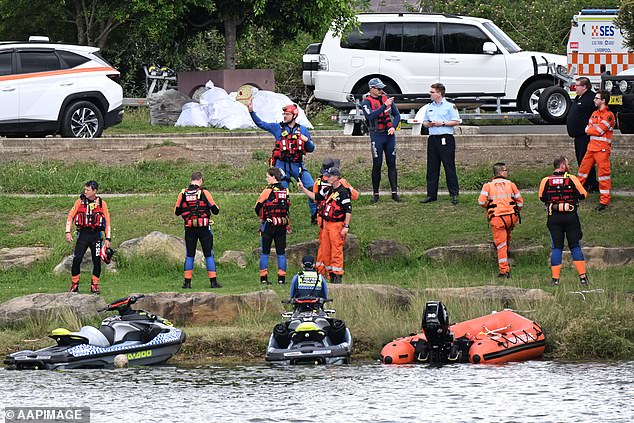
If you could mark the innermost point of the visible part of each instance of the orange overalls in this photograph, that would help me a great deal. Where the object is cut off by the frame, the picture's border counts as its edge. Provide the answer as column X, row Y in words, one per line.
column 600, row 128
column 322, row 264
column 503, row 201
column 336, row 204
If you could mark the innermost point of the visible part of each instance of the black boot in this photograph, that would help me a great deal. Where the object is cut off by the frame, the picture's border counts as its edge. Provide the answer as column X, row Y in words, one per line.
column 94, row 289
column 187, row 284
column 281, row 279
column 214, row 283
column 74, row 287
column 313, row 219
column 264, row 280
column 337, row 279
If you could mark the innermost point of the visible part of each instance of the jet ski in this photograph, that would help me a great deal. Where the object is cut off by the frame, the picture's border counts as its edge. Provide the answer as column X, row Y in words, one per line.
column 142, row 337
column 310, row 335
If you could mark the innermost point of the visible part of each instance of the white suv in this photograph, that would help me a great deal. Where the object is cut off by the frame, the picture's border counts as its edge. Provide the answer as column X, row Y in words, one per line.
column 411, row 51
column 57, row 89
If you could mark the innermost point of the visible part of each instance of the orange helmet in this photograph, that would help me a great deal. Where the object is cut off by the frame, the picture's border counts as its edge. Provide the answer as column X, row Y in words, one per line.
column 291, row 108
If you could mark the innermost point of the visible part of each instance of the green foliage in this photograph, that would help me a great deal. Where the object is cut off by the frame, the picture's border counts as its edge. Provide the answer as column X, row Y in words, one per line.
column 625, row 21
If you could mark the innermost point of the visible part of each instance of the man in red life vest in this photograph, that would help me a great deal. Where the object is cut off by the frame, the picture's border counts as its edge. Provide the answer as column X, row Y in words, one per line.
column 90, row 215
column 195, row 205
column 503, row 202
column 600, row 128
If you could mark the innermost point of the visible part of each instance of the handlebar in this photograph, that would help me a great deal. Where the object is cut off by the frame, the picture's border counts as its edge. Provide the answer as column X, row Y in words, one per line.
column 122, row 303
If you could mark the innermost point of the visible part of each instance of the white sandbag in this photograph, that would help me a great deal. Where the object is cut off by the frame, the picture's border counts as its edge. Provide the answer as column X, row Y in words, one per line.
column 227, row 113
column 268, row 105
column 193, row 114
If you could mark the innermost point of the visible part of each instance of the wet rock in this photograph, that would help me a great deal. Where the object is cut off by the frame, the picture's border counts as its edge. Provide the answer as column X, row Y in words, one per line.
column 86, row 264
column 194, row 308
column 295, row 252
column 604, row 257
column 239, row 258
column 386, row 249
column 22, row 256
column 50, row 306
column 454, row 253
column 159, row 244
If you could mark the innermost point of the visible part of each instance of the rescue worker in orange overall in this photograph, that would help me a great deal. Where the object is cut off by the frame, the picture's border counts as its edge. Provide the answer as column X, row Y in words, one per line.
column 503, row 202
column 272, row 208
column 322, row 264
column 561, row 192
column 600, row 128
column 336, row 214
column 196, row 205
column 91, row 217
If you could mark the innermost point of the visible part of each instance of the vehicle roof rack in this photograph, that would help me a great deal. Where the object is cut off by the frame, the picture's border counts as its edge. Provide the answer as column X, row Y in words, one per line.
column 599, row 11
column 39, row 39
column 447, row 15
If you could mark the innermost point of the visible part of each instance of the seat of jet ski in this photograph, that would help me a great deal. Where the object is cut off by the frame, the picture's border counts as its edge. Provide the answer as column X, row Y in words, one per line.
column 93, row 336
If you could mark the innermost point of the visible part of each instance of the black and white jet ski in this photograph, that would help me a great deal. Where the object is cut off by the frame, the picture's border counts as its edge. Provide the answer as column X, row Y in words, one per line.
column 142, row 337
column 310, row 336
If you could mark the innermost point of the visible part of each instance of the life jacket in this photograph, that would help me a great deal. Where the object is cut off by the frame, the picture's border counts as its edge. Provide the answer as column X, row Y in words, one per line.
column 332, row 210
column 501, row 198
column 195, row 207
column 560, row 193
column 309, row 284
column 291, row 147
column 90, row 214
column 325, row 189
column 384, row 121
column 275, row 208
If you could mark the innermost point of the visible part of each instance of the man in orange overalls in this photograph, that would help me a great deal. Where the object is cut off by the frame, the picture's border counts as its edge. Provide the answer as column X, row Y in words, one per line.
column 600, row 128
column 503, row 202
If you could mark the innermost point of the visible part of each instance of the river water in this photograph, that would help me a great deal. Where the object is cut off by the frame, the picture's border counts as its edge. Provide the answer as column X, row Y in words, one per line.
column 537, row 391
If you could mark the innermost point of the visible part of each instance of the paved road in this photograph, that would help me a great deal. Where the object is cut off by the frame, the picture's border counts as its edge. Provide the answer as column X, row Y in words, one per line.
column 526, row 129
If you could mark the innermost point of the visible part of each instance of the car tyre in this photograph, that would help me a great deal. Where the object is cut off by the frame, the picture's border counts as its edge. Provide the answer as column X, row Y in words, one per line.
column 554, row 104
column 82, row 120
column 529, row 102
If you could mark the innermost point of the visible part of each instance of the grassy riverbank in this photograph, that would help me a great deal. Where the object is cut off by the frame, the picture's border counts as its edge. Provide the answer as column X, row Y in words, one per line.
column 598, row 327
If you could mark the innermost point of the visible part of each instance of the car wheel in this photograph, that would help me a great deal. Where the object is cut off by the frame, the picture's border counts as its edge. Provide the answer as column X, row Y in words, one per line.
column 529, row 102
column 82, row 120
column 554, row 104
column 363, row 89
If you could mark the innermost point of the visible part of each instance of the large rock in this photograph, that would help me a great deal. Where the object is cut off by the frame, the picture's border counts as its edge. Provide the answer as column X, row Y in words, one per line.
column 22, row 256
column 86, row 264
column 505, row 294
column 454, row 253
column 196, row 308
column 159, row 244
column 295, row 252
column 50, row 306
column 603, row 257
column 386, row 249
column 239, row 258
column 385, row 294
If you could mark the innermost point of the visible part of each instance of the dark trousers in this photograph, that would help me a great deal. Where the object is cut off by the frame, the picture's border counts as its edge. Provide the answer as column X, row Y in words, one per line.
column 193, row 235
column 439, row 151
column 270, row 234
column 382, row 143
column 564, row 226
column 87, row 239
column 581, row 146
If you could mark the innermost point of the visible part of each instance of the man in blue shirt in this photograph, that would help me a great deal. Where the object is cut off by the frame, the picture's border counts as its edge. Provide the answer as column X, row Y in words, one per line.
column 383, row 119
column 308, row 283
column 292, row 142
column 440, row 117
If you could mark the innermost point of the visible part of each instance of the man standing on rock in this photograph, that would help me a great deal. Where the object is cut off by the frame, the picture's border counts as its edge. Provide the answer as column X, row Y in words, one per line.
column 292, row 142
column 580, row 111
column 561, row 192
column 195, row 205
column 90, row 215
column 503, row 202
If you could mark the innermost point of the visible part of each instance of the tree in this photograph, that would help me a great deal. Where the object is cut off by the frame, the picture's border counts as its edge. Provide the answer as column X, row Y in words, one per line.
column 625, row 21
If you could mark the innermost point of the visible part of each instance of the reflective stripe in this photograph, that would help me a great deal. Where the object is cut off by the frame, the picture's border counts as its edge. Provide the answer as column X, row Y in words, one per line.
column 606, row 123
column 482, row 203
column 337, row 269
column 502, row 245
column 584, row 175
column 485, row 193
column 517, row 195
column 609, row 141
column 504, row 260
column 520, row 204
column 604, row 191
column 604, row 178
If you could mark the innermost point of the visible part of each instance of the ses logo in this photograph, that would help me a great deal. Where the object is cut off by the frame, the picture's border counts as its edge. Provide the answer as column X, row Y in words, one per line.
column 603, row 30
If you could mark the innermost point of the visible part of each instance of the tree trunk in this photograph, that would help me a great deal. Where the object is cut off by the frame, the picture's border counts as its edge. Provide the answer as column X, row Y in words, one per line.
column 231, row 26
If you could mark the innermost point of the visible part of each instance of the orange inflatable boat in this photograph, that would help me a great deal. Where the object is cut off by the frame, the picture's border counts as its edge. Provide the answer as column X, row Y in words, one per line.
column 496, row 338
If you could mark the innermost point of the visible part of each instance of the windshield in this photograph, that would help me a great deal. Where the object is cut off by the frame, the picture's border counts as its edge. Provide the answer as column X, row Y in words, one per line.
column 506, row 41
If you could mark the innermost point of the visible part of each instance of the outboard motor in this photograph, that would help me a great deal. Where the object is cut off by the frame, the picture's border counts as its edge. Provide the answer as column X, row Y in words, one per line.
column 435, row 325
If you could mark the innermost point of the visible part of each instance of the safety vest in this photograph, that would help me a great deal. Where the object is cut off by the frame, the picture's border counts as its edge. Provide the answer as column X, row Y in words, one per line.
column 384, row 121
column 332, row 209
column 600, row 128
column 195, row 208
column 325, row 189
column 309, row 284
column 560, row 193
column 500, row 198
column 275, row 208
column 291, row 147
column 90, row 214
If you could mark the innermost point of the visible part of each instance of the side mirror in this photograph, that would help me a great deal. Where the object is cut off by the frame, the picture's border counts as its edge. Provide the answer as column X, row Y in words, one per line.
column 489, row 48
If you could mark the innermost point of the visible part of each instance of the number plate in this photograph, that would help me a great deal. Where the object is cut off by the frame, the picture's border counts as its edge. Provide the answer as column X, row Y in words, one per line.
column 616, row 100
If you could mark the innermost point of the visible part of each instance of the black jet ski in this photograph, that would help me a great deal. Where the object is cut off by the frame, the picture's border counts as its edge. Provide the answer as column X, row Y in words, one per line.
column 310, row 336
column 142, row 337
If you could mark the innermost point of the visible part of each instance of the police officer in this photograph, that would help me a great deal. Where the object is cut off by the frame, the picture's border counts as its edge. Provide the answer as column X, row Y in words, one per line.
column 272, row 208
column 580, row 111
column 561, row 193
column 308, row 283
column 91, row 217
column 440, row 117
column 383, row 119
column 292, row 142
column 195, row 205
